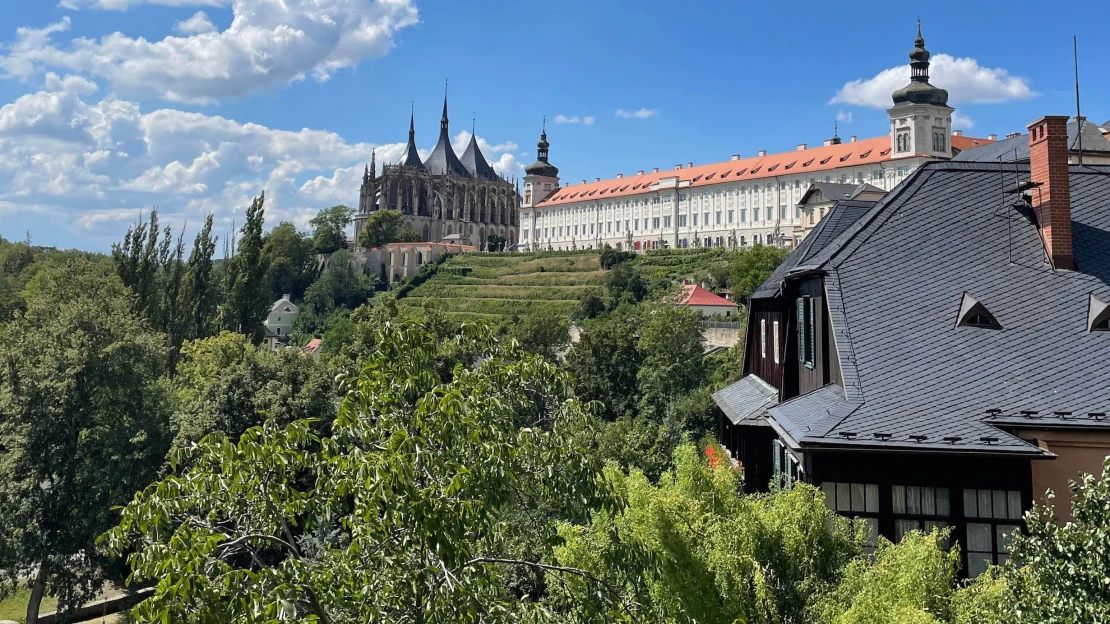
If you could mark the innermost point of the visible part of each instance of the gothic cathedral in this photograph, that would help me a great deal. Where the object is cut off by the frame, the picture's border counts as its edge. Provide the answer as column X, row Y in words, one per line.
column 444, row 198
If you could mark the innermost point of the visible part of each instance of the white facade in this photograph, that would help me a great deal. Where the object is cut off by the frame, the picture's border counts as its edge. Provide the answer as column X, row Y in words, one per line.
column 282, row 315
column 739, row 202
column 670, row 212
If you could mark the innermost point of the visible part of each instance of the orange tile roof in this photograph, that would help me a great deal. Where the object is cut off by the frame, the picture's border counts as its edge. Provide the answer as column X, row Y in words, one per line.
column 692, row 294
column 822, row 158
column 965, row 142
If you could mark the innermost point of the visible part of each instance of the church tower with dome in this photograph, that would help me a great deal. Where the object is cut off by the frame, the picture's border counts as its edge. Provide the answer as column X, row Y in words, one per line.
column 920, row 120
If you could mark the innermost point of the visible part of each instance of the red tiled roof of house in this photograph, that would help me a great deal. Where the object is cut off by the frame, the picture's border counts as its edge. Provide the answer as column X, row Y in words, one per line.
column 692, row 294
column 313, row 345
column 821, row 158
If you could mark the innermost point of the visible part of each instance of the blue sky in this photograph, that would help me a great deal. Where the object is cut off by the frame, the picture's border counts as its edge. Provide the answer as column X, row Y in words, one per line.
column 109, row 107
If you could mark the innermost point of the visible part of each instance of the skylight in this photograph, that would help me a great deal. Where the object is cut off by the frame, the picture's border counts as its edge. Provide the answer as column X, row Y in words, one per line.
column 975, row 314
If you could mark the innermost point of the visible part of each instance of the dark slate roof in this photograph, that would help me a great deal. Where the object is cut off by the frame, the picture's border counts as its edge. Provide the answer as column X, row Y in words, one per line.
column 829, row 191
column 840, row 217
column 746, row 399
column 443, row 160
column 1016, row 149
column 411, row 158
column 895, row 280
column 802, row 415
column 476, row 163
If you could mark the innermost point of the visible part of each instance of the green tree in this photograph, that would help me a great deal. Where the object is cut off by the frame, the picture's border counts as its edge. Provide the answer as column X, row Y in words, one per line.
column 398, row 516
column 626, row 284
column 200, row 291
column 611, row 257
column 14, row 260
column 339, row 289
column 225, row 384
column 752, row 267
column 496, row 242
column 1058, row 572
column 290, row 261
column 605, row 361
column 85, row 424
column 691, row 550
column 671, row 350
column 591, row 306
column 544, row 333
column 329, row 227
column 386, row 226
column 248, row 298
column 910, row 582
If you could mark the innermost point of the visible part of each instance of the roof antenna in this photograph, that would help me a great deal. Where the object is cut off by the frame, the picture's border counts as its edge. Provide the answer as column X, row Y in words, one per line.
column 473, row 122
column 1078, row 115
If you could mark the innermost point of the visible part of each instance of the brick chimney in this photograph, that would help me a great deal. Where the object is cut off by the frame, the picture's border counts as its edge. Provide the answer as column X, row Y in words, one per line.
column 1048, row 168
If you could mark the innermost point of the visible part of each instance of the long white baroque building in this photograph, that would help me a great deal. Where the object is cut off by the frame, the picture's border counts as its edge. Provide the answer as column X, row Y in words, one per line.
column 742, row 201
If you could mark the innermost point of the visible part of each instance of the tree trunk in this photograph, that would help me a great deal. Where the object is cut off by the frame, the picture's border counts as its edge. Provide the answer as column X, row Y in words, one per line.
column 38, row 587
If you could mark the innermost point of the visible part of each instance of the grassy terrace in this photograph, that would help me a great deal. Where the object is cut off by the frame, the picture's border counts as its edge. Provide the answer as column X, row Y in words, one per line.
column 489, row 286
column 477, row 286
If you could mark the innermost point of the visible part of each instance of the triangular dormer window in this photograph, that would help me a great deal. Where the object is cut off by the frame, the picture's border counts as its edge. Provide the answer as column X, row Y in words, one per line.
column 1098, row 315
column 975, row 314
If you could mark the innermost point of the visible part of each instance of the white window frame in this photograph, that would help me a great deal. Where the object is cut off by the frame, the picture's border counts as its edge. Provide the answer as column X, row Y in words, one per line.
column 775, row 337
column 763, row 337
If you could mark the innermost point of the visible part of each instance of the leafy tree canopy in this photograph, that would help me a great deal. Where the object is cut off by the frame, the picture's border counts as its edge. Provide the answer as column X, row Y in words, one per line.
column 386, row 226
column 328, row 228
column 290, row 261
column 341, row 286
column 225, row 384
column 399, row 516
column 85, row 423
column 752, row 267
column 544, row 333
column 691, row 550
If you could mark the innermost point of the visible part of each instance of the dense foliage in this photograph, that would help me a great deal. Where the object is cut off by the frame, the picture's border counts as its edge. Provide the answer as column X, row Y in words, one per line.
column 85, row 422
column 247, row 298
column 399, row 516
column 386, row 226
column 421, row 469
column 691, row 549
column 328, row 228
column 752, row 266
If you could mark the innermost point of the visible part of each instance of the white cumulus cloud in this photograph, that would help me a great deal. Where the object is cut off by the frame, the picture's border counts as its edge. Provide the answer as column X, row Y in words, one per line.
column 845, row 116
column 268, row 44
column 198, row 23
column 962, row 122
column 89, row 167
column 642, row 113
column 585, row 119
column 965, row 79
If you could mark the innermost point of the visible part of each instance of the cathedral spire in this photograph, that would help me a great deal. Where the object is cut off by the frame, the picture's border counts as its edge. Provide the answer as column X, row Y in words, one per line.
column 411, row 158
column 443, row 119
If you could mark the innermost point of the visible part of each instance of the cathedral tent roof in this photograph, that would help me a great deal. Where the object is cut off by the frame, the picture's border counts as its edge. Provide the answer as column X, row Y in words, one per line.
column 476, row 163
column 442, row 160
column 411, row 158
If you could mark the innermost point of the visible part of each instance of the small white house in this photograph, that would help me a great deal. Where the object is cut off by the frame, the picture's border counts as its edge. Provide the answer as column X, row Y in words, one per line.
column 280, row 321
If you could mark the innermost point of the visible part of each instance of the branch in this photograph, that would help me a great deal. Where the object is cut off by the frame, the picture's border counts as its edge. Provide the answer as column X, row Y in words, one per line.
column 256, row 536
column 558, row 569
